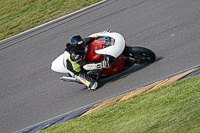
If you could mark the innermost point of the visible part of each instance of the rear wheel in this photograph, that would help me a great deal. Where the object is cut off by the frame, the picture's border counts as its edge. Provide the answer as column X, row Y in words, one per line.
column 140, row 55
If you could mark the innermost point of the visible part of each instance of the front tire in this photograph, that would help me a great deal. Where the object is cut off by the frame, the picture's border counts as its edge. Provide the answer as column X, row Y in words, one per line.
column 141, row 55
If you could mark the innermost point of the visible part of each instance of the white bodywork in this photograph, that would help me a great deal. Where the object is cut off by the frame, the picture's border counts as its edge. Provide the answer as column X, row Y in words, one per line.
column 59, row 64
column 114, row 50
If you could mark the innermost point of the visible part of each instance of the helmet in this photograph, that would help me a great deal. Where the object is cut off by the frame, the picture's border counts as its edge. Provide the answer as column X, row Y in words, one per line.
column 77, row 44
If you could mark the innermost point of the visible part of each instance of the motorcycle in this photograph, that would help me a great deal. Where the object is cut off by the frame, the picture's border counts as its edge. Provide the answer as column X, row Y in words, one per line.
column 108, row 54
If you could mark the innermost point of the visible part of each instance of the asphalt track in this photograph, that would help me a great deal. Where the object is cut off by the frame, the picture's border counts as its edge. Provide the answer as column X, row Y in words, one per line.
column 31, row 92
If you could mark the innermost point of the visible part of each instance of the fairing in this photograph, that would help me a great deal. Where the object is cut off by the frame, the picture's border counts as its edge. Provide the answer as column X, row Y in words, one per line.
column 59, row 64
column 114, row 50
column 91, row 55
column 95, row 52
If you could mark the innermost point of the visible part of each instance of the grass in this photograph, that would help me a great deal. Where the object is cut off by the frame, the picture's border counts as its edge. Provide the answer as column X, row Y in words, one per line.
column 173, row 108
column 20, row 15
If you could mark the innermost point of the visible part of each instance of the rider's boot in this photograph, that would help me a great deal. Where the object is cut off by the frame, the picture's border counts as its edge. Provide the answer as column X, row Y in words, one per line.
column 93, row 85
column 87, row 81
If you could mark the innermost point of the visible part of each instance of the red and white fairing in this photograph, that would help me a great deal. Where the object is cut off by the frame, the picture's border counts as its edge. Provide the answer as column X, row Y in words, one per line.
column 95, row 52
column 114, row 50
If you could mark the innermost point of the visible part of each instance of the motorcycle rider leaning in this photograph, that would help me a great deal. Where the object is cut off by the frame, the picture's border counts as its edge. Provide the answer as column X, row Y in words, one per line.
column 76, row 60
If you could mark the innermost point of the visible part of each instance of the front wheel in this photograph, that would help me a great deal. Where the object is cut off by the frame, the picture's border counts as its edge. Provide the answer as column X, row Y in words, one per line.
column 140, row 55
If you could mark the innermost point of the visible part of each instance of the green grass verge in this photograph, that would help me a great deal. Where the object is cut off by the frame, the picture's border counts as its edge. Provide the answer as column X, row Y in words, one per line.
column 20, row 15
column 173, row 108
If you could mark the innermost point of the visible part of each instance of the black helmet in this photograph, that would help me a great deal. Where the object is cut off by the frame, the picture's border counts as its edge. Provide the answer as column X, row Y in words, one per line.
column 77, row 43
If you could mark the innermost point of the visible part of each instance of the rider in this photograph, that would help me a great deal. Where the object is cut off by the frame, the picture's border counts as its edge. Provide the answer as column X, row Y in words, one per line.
column 76, row 60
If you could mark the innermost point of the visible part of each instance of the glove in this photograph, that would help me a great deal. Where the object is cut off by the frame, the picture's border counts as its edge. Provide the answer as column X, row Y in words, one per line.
column 92, row 66
column 103, row 64
column 67, row 45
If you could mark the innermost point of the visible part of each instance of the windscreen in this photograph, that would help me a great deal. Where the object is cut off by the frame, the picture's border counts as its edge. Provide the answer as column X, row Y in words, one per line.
column 108, row 41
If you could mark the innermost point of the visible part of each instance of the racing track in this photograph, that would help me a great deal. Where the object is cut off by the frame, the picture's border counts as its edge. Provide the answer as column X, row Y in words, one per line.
column 31, row 92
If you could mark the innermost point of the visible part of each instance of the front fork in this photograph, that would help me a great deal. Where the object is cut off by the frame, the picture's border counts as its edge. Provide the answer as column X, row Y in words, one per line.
column 105, row 63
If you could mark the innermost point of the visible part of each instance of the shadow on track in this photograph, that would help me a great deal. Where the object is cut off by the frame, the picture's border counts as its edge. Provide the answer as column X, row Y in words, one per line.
column 125, row 73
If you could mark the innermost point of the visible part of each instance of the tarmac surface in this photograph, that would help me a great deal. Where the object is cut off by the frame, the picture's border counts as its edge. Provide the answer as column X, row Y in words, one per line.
column 31, row 92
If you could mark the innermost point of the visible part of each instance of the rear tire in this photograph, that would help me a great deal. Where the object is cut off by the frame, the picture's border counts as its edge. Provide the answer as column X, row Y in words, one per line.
column 140, row 54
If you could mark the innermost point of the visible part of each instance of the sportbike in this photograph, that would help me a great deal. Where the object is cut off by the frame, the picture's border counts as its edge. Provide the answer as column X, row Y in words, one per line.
column 108, row 54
